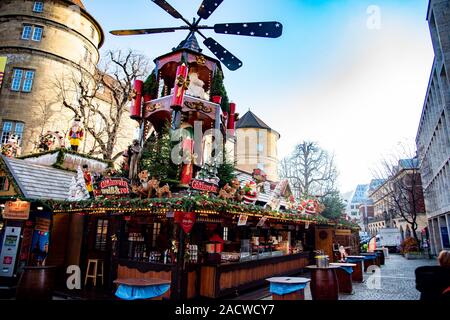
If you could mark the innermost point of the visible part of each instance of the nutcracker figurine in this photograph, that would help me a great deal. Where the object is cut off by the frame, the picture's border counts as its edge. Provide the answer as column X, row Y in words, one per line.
column 88, row 180
column 76, row 135
column 188, row 155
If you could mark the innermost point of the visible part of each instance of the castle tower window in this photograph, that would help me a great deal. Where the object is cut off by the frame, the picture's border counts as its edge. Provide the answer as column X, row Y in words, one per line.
column 12, row 127
column 22, row 79
column 37, row 33
column 27, row 31
column 87, row 55
column 6, row 131
column 38, row 6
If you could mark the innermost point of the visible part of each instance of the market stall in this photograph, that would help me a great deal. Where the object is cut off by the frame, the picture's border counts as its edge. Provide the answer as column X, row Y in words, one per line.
column 202, row 252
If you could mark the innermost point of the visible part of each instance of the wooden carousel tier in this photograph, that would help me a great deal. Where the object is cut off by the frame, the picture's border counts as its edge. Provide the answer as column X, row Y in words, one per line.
column 205, row 108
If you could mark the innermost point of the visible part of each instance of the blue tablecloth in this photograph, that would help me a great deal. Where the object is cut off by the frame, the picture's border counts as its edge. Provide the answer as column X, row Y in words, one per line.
column 282, row 289
column 125, row 292
column 370, row 257
column 349, row 270
column 354, row 260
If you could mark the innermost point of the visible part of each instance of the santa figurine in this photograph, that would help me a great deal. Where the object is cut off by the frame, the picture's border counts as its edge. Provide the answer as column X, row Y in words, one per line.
column 76, row 135
column 250, row 192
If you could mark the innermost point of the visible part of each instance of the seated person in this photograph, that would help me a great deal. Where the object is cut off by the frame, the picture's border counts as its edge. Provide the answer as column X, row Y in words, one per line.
column 432, row 281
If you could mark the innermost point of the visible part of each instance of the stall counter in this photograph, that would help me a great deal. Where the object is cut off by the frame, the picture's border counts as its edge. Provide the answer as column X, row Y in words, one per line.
column 225, row 279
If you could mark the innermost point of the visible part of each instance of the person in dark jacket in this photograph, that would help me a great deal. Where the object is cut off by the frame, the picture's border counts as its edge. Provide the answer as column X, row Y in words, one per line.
column 433, row 281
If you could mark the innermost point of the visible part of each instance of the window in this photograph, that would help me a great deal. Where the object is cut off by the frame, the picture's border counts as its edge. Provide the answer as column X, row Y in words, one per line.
column 9, row 128
column 26, row 32
column 6, row 131
column 156, row 232
column 38, row 7
column 37, row 33
column 32, row 32
column 101, row 235
column 22, row 80
column 4, row 184
column 28, row 82
column 87, row 55
column 92, row 32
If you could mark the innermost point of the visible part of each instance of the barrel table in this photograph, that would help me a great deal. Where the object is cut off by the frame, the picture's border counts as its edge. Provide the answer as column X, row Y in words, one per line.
column 36, row 283
column 141, row 289
column 358, row 274
column 324, row 283
column 344, row 275
column 288, row 288
column 370, row 259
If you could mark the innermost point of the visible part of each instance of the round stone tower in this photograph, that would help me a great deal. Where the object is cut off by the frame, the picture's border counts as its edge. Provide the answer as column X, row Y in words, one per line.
column 41, row 41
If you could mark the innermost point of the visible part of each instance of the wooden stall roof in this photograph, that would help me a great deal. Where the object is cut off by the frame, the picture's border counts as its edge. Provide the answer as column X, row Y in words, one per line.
column 38, row 182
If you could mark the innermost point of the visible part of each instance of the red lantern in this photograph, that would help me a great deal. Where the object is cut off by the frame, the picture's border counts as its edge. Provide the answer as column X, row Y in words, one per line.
column 136, row 108
column 181, row 85
column 232, row 118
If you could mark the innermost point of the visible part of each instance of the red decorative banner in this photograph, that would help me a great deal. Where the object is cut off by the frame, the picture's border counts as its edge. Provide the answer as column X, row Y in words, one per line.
column 204, row 186
column 188, row 221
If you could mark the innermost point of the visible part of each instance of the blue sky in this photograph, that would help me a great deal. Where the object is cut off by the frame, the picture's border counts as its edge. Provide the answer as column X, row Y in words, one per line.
column 329, row 78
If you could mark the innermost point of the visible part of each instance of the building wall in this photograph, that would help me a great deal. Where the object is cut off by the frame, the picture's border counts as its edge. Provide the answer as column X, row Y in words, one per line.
column 257, row 148
column 71, row 37
column 433, row 142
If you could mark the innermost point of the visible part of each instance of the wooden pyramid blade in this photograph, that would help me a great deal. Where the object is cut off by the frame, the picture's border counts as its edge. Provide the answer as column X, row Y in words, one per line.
column 272, row 29
column 224, row 56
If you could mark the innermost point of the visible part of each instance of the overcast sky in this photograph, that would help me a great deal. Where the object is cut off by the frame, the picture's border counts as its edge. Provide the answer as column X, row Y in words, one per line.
column 349, row 74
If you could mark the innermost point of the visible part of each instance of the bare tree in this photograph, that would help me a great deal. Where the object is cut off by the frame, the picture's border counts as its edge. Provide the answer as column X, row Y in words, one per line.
column 310, row 170
column 101, row 99
column 402, row 191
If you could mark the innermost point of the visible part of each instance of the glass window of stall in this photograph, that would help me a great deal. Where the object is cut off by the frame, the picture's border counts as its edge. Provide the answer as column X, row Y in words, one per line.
column 145, row 239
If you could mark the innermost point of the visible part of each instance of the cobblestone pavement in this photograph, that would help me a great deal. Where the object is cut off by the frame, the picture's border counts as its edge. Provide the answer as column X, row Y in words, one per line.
column 397, row 282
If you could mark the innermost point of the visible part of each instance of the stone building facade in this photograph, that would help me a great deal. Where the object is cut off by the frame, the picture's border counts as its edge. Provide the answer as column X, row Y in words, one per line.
column 386, row 196
column 45, row 41
column 433, row 137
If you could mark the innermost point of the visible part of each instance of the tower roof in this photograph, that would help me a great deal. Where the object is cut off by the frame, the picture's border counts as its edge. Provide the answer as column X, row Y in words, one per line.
column 251, row 120
column 190, row 43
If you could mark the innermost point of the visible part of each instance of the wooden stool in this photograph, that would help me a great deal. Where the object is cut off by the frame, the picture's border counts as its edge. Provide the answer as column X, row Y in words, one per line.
column 95, row 263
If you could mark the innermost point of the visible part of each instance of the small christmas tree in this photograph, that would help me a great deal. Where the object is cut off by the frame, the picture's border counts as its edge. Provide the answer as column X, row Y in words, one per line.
column 156, row 157
column 218, row 89
column 78, row 190
column 151, row 85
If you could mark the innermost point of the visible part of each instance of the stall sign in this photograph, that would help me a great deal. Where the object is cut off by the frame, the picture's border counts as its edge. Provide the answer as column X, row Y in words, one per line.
column 113, row 187
column 242, row 220
column 42, row 225
column 17, row 210
column 262, row 222
column 204, row 186
column 341, row 232
column 188, row 221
